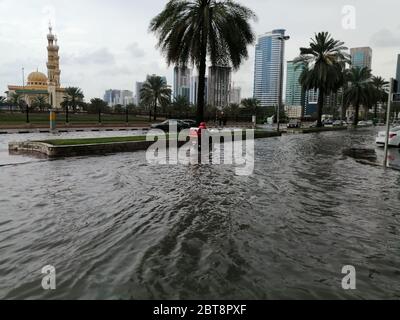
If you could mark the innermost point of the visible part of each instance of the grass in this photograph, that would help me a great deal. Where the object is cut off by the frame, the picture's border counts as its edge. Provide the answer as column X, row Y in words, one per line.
column 18, row 118
column 75, row 142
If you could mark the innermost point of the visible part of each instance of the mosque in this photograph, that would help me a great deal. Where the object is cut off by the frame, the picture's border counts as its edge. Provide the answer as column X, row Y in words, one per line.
column 38, row 84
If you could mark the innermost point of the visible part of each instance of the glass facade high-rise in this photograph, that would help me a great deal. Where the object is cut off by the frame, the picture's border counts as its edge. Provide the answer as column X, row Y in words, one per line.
column 182, row 82
column 194, row 87
column 295, row 95
column 268, row 67
column 361, row 57
column 219, row 86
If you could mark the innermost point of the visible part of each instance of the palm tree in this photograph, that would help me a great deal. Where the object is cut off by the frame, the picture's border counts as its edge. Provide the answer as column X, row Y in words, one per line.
column 99, row 106
column 324, row 60
column 234, row 109
column 40, row 102
column 15, row 100
column 380, row 91
column 155, row 91
column 251, row 104
column 181, row 106
column 190, row 30
column 74, row 96
column 359, row 90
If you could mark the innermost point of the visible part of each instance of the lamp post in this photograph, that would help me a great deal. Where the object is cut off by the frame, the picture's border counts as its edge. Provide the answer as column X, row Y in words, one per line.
column 391, row 89
column 282, row 39
column 24, row 103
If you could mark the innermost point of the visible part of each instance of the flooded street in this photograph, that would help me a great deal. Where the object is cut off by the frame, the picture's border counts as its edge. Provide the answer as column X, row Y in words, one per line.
column 115, row 227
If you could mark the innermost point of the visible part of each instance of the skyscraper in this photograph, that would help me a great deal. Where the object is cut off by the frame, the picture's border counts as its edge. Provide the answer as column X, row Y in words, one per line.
column 361, row 57
column 219, row 81
column 267, row 69
column 295, row 95
column 235, row 95
column 194, row 89
column 139, row 86
column 182, row 82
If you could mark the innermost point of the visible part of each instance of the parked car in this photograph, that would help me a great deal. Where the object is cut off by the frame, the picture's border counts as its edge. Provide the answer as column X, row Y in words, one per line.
column 339, row 123
column 294, row 124
column 166, row 124
column 394, row 137
column 191, row 123
column 328, row 123
column 363, row 124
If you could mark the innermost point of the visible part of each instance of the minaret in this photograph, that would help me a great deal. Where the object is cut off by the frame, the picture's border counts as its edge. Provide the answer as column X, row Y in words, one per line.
column 53, row 63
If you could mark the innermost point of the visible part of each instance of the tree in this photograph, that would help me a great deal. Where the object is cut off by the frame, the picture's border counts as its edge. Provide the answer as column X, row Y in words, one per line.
column 3, row 101
column 180, row 106
column 40, row 103
column 15, row 100
column 359, row 90
column 155, row 91
column 234, row 110
column 251, row 104
column 324, row 60
column 190, row 30
column 73, row 97
column 98, row 106
column 380, row 92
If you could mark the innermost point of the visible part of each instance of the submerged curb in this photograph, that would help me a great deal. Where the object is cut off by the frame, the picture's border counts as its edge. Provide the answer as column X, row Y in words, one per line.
column 53, row 151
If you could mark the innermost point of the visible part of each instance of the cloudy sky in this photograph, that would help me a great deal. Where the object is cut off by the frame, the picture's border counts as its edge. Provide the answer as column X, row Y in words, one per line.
column 105, row 44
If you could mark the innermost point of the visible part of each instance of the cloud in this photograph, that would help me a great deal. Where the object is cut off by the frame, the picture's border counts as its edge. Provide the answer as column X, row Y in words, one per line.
column 385, row 38
column 100, row 56
column 135, row 50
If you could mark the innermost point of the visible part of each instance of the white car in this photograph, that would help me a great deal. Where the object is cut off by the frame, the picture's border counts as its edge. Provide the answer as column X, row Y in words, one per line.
column 394, row 137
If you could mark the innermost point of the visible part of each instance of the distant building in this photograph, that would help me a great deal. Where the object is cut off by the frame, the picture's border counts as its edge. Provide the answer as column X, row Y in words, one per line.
column 295, row 94
column 114, row 97
column 194, row 87
column 294, row 112
column 219, row 81
column 268, row 68
column 182, row 82
column 361, row 57
column 235, row 95
column 139, row 86
column 38, row 84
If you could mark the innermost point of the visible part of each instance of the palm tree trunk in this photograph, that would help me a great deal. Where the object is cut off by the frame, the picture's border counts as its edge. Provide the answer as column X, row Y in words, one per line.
column 356, row 114
column 320, row 108
column 155, row 109
column 202, row 78
column 376, row 110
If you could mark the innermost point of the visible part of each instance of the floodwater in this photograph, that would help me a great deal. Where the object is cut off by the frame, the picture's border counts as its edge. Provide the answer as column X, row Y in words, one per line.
column 115, row 227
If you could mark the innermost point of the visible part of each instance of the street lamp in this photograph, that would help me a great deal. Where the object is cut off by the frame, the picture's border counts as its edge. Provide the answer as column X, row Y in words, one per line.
column 282, row 39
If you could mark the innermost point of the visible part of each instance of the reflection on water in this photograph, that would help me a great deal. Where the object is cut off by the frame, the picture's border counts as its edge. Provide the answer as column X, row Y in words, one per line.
column 117, row 228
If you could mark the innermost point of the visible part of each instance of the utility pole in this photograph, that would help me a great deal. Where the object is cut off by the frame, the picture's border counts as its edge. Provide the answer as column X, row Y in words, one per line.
column 388, row 122
column 280, row 99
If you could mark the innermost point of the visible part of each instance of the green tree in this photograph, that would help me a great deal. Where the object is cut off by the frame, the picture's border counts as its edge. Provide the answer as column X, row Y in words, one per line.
column 98, row 106
column 251, row 104
column 234, row 110
column 73, row 98
column 40, row 103
column 325, row 59
column 190, row 30
column 3, row 101
column 359, row 90
column 180, row 106
column 380, row 92
column 155, row 92
column 15, row 100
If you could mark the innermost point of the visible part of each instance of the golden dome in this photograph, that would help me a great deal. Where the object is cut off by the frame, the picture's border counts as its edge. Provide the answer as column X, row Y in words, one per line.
column 37, row 78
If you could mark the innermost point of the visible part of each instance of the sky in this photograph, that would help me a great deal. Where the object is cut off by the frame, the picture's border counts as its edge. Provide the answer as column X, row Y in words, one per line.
column 106, row 44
